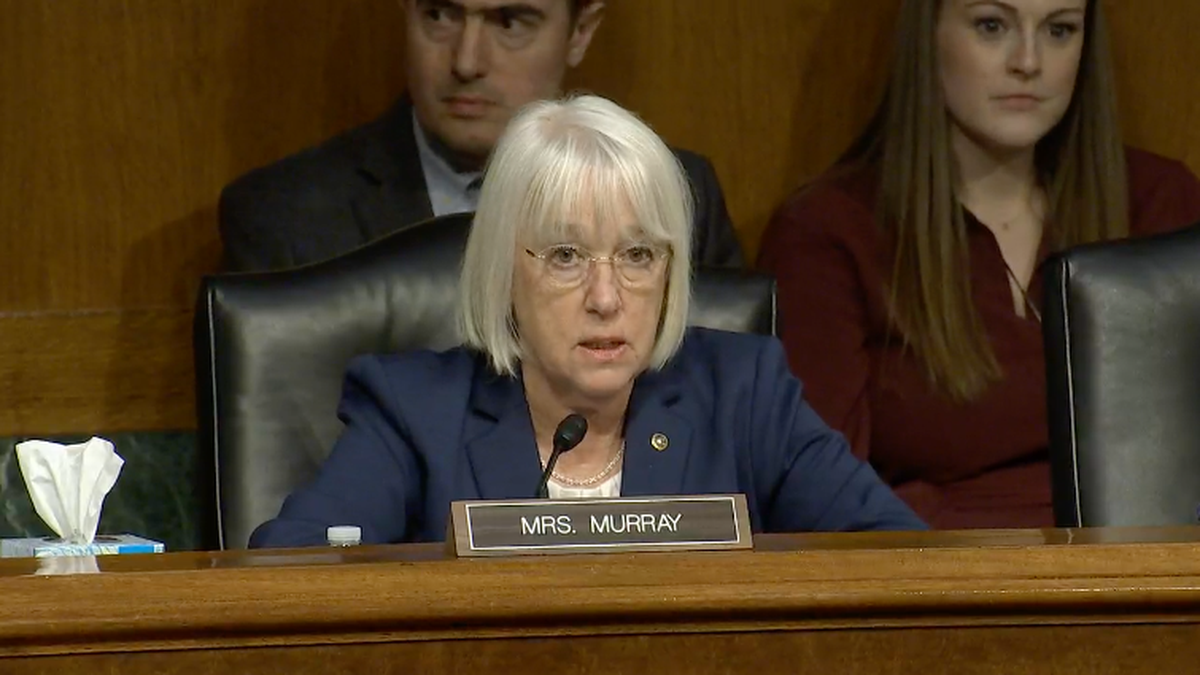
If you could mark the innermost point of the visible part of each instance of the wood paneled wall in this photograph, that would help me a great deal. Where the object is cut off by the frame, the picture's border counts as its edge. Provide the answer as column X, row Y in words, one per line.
column 121, row 121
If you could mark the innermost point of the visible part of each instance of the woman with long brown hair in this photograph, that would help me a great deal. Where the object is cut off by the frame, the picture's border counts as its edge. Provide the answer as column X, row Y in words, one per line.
column 910, row 274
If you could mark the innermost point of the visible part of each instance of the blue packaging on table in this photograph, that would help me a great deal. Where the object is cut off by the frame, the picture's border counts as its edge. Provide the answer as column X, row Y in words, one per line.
column 45, row 547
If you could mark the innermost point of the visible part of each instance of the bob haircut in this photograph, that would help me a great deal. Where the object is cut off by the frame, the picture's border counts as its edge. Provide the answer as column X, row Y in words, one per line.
column 556, row 159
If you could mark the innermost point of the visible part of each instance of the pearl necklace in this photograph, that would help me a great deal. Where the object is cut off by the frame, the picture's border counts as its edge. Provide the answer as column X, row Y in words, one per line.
column 587, row 482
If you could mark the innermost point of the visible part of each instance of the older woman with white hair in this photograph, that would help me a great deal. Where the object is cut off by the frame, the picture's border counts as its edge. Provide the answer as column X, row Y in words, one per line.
column 574, row 300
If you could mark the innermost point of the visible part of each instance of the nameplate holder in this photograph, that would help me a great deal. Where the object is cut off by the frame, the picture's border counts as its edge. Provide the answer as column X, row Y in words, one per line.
column 619, row 524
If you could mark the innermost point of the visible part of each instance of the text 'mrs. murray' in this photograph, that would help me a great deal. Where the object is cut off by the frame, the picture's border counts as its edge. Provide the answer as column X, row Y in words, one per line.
column 541, row 526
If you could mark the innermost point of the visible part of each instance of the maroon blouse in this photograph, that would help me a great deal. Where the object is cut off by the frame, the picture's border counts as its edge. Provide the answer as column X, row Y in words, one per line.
column 979, row 464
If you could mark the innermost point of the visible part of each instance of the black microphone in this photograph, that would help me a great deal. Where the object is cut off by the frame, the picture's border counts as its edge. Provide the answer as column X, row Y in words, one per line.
column 569, row 433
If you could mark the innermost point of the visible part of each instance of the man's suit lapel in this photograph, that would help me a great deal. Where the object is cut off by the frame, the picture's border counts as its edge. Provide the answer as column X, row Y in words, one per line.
column 394, row 195
column 499, row 440
column 658, row 437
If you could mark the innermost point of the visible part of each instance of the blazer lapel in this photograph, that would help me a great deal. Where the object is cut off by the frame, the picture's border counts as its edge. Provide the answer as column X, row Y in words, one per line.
column 394, row 196
column 657, row 438
column 501, row 446
column 503, row 453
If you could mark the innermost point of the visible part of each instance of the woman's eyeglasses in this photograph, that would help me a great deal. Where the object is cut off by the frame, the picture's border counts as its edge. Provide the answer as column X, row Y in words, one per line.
column 636, row 265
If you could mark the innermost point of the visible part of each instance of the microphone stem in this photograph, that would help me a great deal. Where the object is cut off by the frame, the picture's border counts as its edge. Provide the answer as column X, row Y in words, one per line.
column 543, row 491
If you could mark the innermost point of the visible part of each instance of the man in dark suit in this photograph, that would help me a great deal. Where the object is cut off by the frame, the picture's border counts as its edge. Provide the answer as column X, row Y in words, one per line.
column 471, row 65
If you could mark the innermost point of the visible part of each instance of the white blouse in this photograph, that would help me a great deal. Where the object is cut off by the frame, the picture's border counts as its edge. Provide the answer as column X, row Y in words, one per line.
column 611, row 487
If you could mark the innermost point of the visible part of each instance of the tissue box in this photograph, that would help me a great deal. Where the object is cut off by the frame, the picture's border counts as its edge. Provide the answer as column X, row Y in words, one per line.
column 43, row 547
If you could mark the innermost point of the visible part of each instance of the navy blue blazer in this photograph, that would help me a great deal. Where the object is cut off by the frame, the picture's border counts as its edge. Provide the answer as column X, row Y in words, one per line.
column 425, row 428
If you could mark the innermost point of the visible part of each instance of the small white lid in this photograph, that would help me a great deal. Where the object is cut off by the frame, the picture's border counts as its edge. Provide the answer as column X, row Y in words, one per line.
column 343, row 534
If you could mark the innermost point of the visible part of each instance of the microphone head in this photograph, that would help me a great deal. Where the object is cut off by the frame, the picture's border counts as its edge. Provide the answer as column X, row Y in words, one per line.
column 570, row 432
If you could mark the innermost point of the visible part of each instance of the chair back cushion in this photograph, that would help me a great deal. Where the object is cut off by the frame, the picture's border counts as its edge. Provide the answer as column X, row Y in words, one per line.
column 1122, row 338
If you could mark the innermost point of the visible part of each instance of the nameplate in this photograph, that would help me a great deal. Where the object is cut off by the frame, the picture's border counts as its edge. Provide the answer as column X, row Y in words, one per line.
column 543, row 526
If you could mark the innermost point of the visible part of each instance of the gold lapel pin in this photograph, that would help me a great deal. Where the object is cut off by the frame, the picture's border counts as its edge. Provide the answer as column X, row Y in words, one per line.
column 659, row 441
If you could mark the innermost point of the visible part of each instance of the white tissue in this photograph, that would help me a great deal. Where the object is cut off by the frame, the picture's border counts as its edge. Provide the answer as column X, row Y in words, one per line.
column 68, row 484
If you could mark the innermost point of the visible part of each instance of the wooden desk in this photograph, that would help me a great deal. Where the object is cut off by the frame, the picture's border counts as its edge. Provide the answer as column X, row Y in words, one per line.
column 1012, row 602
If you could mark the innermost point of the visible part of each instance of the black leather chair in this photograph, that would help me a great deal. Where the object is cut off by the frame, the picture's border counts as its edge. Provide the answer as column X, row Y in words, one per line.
column 1122, row 337
column 271, row 349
